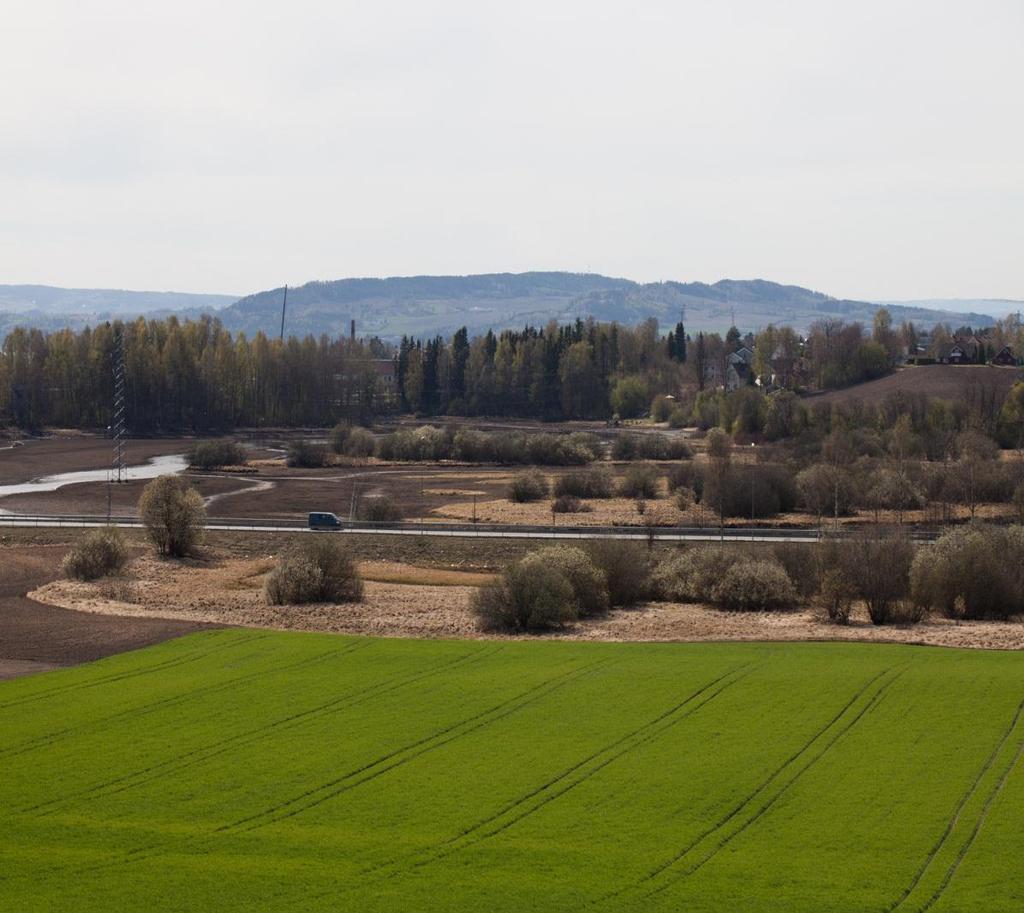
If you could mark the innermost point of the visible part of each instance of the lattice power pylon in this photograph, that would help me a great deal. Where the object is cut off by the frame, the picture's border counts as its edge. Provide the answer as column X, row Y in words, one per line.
column 118, row 428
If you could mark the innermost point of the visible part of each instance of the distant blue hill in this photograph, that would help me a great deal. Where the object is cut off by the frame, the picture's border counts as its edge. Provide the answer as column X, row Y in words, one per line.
column 428, row 305
column 425, row 305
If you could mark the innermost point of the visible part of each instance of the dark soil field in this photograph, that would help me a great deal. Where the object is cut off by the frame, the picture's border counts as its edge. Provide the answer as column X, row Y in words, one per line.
column 35, row 457
column 972, row 383
column 36, row 637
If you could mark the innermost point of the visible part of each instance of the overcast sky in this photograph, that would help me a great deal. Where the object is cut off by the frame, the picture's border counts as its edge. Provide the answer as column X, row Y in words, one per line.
column 865, row 149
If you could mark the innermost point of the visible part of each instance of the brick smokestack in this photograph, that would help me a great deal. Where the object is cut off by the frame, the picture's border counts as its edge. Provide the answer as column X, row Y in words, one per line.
column 352, row 330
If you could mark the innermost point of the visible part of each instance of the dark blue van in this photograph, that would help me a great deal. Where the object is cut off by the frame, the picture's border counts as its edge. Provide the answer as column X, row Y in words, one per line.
column 323, row 520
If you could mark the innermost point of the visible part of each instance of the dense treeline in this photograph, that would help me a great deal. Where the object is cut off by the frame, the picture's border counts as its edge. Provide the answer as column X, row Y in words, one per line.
column 194, row 375
column 190, row 375
column 583, row 370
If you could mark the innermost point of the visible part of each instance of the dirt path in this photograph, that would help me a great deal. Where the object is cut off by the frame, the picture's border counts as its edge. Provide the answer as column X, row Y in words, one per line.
column 35, row 637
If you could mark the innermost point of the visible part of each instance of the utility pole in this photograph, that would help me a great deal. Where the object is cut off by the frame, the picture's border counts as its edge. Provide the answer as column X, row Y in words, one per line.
column 752, row 445
column 284, row 307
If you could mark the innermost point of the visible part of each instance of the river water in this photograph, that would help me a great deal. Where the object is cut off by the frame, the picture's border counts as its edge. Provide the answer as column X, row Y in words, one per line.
column 157, row 466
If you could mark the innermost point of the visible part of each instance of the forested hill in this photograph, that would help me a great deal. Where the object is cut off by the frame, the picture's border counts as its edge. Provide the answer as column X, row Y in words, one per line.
column 428, row 305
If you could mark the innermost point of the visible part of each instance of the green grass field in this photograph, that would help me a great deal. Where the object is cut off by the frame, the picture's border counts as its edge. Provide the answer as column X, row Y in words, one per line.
column 256, row 771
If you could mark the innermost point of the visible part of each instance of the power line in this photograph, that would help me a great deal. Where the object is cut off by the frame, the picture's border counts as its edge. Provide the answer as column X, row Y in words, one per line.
column 119, row 469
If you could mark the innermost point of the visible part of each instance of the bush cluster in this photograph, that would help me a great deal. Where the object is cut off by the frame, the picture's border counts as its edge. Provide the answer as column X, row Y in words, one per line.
column 661, row 407
column 528, row 486
column 545, row 589
column 640, row 482
column 213, row 454
column 97, row 554
column 306, row 455
column 529, row 596
column 626, row 566
column 725, row 577
column 755, row 586
column 974, row 572
column 352, row 441
column 378, row 509
column 173, row 514
column 594, row 482
column 569, row 504
column 632, row 446
column 319, row 569
column 589, row 583
column 505, row 447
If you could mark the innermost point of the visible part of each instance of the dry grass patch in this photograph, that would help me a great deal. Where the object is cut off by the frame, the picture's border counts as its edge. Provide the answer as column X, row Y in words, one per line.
column 413, row 575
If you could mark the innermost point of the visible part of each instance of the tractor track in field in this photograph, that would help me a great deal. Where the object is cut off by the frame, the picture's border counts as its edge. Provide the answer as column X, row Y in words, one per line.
column 723, row 821
column 55, row 738
column 333, row 788
column 966, row 848
column 870, row 705
column 207, row 752
column 626, row 743
column 955, row 818
column 245, row 637
column 635, row 738
column 149, row 850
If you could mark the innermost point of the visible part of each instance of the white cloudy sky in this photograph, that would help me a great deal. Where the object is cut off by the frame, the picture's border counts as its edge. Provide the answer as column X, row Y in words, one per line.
column 867, row 149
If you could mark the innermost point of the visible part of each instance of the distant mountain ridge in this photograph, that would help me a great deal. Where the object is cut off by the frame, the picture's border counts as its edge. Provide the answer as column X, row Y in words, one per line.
column 426, row 305
column 51, row 308
column 429, row 305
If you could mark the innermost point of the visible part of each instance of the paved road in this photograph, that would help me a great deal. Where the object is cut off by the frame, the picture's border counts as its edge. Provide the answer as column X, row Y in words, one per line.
column 483, row 531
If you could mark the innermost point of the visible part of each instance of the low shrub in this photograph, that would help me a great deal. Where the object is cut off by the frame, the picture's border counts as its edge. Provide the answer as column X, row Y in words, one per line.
column 213, row 454
column 528, row 486
column 639, row 482
column 626, row 567
column 678, row 417
column 661, row 407
column 174, row 514
column 689, row 476
column 359, row 443
column 595, row 482
column 755, row 586
column 836, row 596
column 690, row 575
column 975, row 572
column 416, row 445
column 725, row 577
column 306, row 455
column 569, row 504
column 339, row 435
column 632, row 446
column 529, row 596
column 589, row 584
column 762, row 490
column 318, row 569
column 803, row 563
column 378, row 509
column 506, row 447
column 877, row 567
column 826, row 490
column 97, row 554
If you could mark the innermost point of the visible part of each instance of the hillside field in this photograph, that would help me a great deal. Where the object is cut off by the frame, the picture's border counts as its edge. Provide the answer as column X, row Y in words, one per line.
column 971, row 383
column 249, row 770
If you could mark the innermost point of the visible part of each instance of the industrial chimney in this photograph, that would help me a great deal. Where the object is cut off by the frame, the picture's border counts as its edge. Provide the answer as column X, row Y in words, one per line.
column 352, row 330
